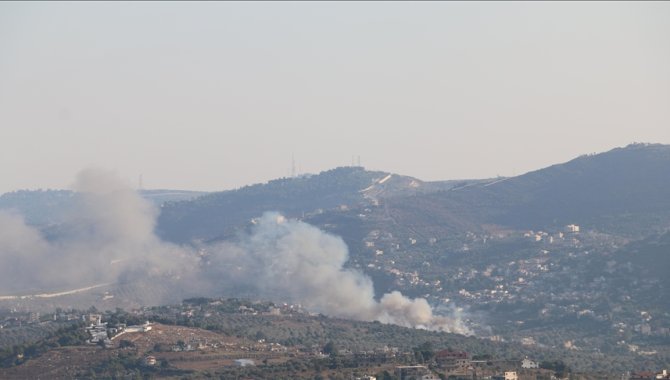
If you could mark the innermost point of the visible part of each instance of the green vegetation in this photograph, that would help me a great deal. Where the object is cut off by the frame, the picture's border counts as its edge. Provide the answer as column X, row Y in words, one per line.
column 72, row 335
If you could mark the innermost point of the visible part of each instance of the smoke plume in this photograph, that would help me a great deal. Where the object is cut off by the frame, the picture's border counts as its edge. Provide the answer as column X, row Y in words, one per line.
column 107, row 235
column 109, row 238
column 283, row 258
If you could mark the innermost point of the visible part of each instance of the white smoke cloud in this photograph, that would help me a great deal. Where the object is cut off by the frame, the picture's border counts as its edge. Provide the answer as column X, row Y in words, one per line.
column 286, row 258
column 109, row 237
column 108, row 234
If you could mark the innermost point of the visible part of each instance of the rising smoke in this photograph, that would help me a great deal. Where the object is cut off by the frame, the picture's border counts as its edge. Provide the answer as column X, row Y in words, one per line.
column 283, row 258
column 109, row 237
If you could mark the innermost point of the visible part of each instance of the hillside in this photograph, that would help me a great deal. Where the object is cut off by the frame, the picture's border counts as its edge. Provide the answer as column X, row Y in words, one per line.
column 38, row 207
column 203, row 337
column 495, row 250
column 218, row 215
column 47, row 207
column 622, row 191
column 643, row 268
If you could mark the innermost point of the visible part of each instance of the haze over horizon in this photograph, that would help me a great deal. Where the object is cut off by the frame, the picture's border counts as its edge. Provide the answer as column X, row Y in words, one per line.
column 214, row 96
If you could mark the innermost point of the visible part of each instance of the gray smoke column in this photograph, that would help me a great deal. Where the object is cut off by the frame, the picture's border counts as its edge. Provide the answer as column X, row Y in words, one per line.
column 109, row 238
column 108, row 235
column 283, row 258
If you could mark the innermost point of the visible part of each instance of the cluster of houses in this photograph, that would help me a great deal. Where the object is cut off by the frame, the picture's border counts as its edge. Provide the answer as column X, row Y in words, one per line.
column 102, row 334
column 650, row 375
column 458, row 364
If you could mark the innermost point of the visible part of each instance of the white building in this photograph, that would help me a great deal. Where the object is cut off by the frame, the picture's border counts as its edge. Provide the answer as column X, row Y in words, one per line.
column 527, row 363
column 572, row 228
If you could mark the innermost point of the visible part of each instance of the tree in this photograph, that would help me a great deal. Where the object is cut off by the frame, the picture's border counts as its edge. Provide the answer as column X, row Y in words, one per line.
column 386, row 376
column 424, row 352
column 330, row 349
column 558, row 366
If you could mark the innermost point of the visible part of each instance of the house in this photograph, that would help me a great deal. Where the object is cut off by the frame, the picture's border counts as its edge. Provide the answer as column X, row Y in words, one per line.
column 644, row 375
column 452, row 361
column 150, row 360
column 95, row 319
column 527, row 364
column 572, row 228
column 511, row 375
column 98, row 333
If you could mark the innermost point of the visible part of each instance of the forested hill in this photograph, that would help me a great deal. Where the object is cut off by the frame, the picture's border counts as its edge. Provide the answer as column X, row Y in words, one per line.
column 625, row 190
column 218, row 214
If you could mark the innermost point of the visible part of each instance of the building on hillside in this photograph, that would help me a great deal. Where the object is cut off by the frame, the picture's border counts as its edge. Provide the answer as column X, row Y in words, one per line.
column 572, row 228
column 34, row 317
column 452, row 361
column 150, row 360
column 511, row 375
column 644, row 375
column 94, row 319
column 139, row 328
column 529, row 364
column 98, row 333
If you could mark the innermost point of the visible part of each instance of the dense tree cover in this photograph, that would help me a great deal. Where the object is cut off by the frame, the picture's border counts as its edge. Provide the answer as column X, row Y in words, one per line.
column 216, row 214
column 558, row 366
column 72, row 335
column 330, row 349
column 26, row 334
column 120, row 316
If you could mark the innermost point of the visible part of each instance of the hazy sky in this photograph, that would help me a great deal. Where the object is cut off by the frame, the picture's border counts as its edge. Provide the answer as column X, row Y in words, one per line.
column 216, row 95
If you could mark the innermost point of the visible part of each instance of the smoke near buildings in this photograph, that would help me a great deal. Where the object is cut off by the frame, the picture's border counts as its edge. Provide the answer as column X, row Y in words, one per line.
column 109, row 238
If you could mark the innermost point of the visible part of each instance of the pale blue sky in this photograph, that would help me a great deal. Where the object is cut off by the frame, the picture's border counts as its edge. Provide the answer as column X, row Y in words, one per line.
column 216, row 95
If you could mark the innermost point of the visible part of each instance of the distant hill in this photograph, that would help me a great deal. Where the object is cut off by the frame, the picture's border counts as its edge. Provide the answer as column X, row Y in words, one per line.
column 38, row 207
column 46, row 207
column 218, row 214
column 624, row 191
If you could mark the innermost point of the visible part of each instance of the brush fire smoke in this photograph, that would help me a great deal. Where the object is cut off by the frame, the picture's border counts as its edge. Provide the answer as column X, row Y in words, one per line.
column 110, row 236
column 286, row 258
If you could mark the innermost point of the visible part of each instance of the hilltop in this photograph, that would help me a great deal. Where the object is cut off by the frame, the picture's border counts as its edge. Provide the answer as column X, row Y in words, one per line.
column 621, row 191
column 218, row 215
